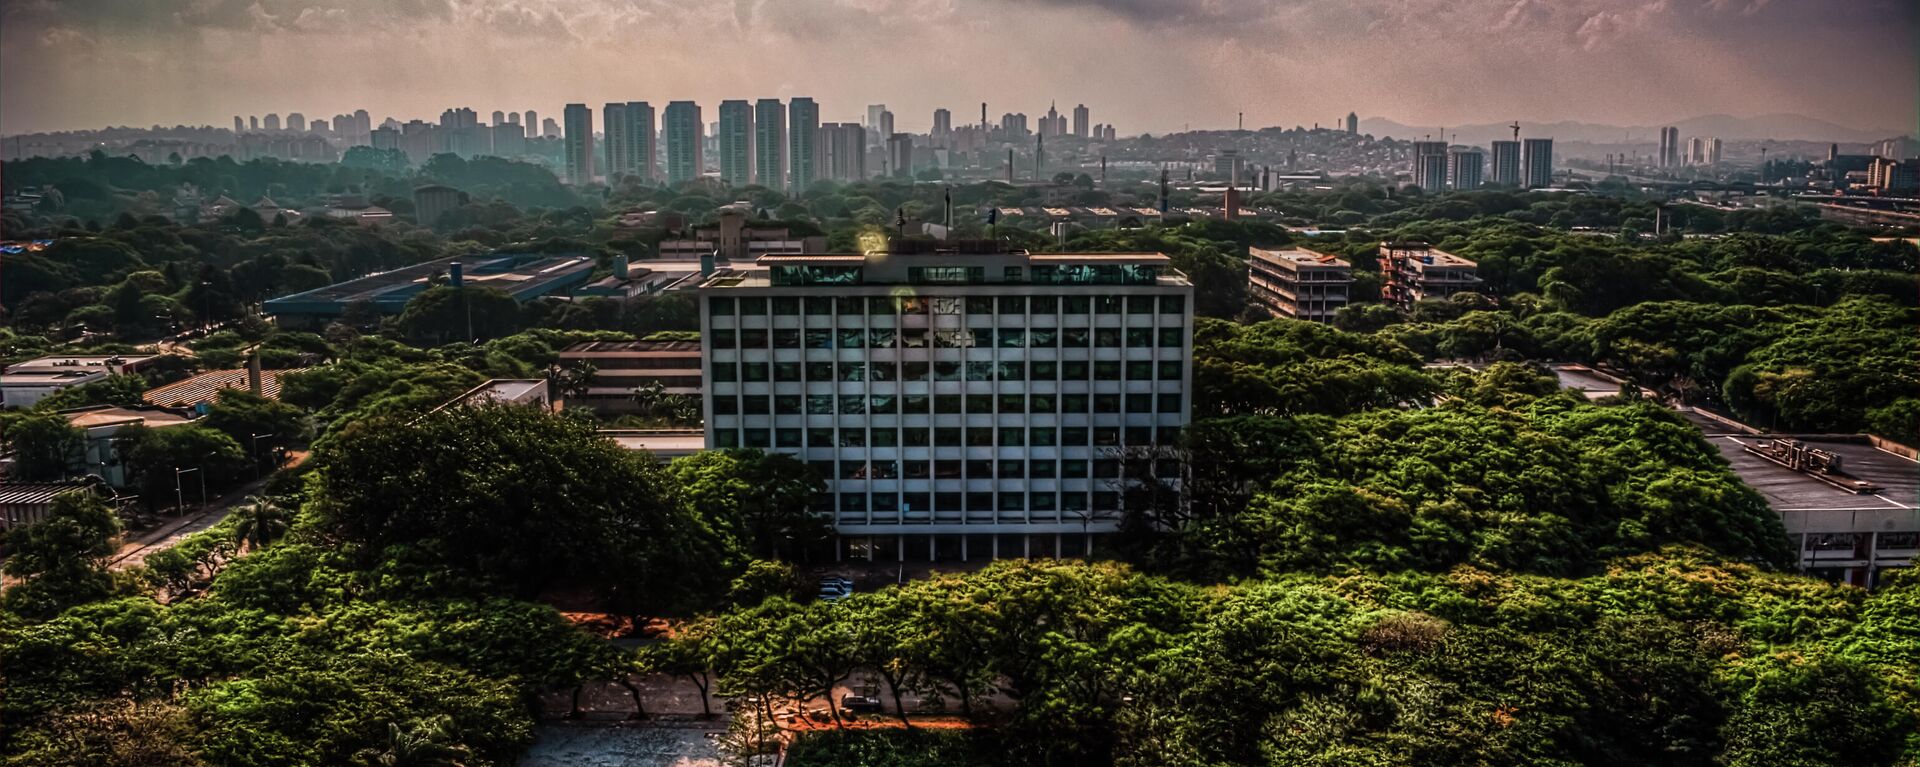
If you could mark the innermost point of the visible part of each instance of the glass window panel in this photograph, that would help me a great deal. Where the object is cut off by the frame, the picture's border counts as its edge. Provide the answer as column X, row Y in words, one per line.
column 786, row 371
column 725, row 372
column 853, row 371
column 853, row 404
column 753, row 339
column 819, row 404
column 753, row 306
column 719, row 305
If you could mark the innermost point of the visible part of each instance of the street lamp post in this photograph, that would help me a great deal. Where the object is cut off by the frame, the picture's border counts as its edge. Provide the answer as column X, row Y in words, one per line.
column 179, row 494
column 255, row 449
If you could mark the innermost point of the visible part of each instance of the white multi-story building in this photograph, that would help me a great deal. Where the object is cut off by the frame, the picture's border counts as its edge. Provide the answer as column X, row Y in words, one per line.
column 1298, row 283
column 961, row 404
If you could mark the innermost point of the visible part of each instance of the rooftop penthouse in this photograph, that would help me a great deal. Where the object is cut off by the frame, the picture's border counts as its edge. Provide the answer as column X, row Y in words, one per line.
column 964, row 263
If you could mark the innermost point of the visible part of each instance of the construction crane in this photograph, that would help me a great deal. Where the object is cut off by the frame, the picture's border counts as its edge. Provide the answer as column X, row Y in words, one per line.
column 1516, row 130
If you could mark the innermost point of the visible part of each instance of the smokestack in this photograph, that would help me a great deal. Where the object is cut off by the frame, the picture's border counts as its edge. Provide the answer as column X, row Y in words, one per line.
column 455, row 276
column 253, row 374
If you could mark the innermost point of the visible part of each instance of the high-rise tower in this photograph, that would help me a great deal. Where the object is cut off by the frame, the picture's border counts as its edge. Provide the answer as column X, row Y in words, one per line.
column 736, row 142
column 686, row 158
column 770, row 143
column 803, row 126
column 579, row 144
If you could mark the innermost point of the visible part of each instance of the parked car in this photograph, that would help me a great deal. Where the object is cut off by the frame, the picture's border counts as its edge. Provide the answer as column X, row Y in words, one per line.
column 863, row 704
column 834, row 588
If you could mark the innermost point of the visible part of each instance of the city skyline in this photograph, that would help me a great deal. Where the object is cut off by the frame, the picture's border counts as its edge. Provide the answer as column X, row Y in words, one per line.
column 1643, row 64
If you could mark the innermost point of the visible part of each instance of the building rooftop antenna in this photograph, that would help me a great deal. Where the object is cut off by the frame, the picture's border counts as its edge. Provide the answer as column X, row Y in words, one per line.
column 1516, row 130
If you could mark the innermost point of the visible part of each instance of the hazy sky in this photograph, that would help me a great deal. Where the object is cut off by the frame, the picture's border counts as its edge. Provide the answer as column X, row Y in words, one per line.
column 1145, row 65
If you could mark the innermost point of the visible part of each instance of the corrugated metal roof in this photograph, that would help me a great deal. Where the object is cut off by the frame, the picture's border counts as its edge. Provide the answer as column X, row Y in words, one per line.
column 27, row 493
column 205, row 387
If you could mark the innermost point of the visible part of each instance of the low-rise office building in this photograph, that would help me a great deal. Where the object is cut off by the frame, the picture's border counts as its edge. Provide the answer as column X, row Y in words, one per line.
column 620, row 367
column 1412, row 272
column 732, row 239
column 26, row 383
column 1298, row 283
column 962, row 402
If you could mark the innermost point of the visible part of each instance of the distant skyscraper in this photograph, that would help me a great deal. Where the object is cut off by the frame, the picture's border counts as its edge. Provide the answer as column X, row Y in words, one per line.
column 343, row 127
column 900, row 155
column 273, row 121
column 770, row 143
column 579, row 144
column 509, row 140
column 843, row 151
column 886, row 124
column 1080, row 118
column 1353, row 124
column 803, row 142
column 618, row 138
column 549, row 128
column 1506, row 163
column 498, row 117
column 685, row 135
column 533, row 124
column 253, row 122
column 513, row 118
column 1430, row 165
column 1669, row 147
column 296, row 121
column 736, row 142
column 942, row 127
column 1049, row 124
column 239, row 125
column 1536, row 162
column 641, row 147
column 874, row 136
column 1465, row 168
column 362, row 126
column 1112, row 133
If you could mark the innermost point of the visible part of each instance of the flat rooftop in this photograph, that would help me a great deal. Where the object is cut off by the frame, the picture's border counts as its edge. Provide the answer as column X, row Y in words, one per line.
column 1787, row 490
column 1429, row 255
column 662, row 442
column 107, row 415
column 58, row 362
column 1299, row 256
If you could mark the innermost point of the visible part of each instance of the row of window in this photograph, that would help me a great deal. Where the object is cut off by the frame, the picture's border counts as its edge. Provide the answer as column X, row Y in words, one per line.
column 956, row 436
column 861, row 503
column 958, row 338
column 882, row 305
column 1105, row 468
column 949, row 370
column 917, row 404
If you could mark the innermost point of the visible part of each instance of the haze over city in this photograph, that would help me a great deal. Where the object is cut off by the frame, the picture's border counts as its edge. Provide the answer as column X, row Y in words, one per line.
column 959, row 383
column 1147, row 66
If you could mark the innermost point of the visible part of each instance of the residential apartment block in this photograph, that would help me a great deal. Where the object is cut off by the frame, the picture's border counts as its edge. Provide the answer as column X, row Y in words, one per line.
column 963, row 403
column 1413, row 271
column 1298, row 283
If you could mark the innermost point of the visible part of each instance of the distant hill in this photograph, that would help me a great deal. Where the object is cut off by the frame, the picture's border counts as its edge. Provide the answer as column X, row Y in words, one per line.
column 1785, row 127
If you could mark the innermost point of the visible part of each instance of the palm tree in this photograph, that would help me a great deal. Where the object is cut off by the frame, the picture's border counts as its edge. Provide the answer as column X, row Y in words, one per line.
column 647, row 399
column 258, row 522
column 427, row 744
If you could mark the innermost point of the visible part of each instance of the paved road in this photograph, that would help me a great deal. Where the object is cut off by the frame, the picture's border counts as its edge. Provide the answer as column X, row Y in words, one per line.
column 135, row 552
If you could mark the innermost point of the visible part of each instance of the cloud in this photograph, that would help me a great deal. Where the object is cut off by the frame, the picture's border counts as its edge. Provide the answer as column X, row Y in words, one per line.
column 1149, row 65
